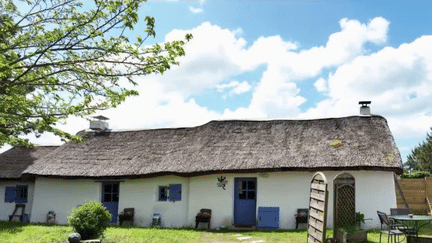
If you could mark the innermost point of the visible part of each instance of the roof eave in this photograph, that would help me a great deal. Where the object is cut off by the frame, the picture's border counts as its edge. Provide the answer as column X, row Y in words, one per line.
column 397, row 170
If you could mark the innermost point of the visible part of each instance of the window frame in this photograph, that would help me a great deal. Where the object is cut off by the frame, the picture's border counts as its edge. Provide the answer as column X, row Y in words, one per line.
column 21, row 195
column 16, row 194
column 162, row 193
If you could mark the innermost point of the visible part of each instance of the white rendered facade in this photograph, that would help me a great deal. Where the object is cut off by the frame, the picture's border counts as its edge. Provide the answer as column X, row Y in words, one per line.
column 7, row 208
column 374, row 191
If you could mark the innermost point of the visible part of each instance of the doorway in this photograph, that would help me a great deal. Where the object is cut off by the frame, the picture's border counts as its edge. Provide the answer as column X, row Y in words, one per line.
column 245, row 194
column 110, row 198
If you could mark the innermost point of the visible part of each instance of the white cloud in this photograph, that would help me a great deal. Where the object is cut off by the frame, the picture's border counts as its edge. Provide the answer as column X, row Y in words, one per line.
column 5, row 148
column 242, row 88
column 215, row 54
column 341, row 47
column 235, row 87
column 321, row 85
column 395, row 79
column 195, row 10
column 412, row 126
column 277, row 95
column 238, row 32
column 156, row 107
column 211, row 57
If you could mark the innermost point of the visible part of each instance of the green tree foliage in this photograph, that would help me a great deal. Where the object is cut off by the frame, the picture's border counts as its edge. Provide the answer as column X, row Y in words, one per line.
column 90, row 220
column 66, row 57
column 420, row 158
column 415, row 174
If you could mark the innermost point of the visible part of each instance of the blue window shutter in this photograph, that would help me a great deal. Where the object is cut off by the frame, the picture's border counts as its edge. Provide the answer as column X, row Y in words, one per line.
column 175, row 192
column 10, row 194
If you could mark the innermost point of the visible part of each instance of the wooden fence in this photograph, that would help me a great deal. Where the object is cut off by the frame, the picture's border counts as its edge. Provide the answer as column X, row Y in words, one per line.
column 418, row 194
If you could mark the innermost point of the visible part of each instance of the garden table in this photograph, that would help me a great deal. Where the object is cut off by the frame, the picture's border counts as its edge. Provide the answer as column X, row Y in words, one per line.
column 413, row 223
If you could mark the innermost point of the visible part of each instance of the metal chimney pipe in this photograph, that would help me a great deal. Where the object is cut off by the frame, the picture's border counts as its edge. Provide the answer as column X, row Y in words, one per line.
column 365, row 109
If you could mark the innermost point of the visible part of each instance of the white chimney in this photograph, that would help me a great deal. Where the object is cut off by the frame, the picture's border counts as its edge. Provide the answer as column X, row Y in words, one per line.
column 99, row 124
column 364, row 109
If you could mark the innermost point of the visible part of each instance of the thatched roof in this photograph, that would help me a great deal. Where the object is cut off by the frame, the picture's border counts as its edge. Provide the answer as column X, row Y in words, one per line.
column 230, row 146
column 14, row 161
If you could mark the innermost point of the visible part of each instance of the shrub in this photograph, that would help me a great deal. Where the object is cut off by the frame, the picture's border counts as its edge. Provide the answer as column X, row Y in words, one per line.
column 359, row 219
column 416, row 174
column 90, row 220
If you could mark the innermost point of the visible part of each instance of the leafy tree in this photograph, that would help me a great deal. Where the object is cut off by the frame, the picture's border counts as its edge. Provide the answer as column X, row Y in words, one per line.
column 66, row 57
column 420, row 158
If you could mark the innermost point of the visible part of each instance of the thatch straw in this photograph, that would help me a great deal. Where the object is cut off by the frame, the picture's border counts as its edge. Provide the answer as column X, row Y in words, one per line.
column 228, row 147
column 14, row 161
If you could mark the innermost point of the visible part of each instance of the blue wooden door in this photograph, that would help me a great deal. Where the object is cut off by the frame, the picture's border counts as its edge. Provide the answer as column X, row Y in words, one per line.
column 110, row 198
column 245, row 191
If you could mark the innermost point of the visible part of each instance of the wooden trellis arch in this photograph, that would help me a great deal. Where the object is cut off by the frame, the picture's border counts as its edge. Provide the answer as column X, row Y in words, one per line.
column 318, row 200
column 344, row 201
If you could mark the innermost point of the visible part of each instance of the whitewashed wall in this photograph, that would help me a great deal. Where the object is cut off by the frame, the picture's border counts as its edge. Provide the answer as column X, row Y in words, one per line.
column 289, row 191
column 204, row 193
column 62, row 196
column 7, row 208
column 142, row 194
column 375, row 191
column 286, row 190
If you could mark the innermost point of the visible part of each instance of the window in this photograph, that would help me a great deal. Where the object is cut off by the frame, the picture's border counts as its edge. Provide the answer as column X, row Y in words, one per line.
column 110, row 191
column 21, row 194
column 247, row 190
column 171, row 192
column 163, row 193
column 18, row 194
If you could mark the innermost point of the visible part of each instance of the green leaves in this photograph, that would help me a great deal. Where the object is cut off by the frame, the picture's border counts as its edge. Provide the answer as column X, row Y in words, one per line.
column 150, row 26
column 65, row 58
column 90, row 220
column 420, row 158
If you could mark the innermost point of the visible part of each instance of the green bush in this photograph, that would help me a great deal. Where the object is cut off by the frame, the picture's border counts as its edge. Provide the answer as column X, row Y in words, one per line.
column 90, row 220
column 416, row 174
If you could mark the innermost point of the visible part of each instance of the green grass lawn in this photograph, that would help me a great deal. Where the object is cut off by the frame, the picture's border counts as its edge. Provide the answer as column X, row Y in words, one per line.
column 13, row 232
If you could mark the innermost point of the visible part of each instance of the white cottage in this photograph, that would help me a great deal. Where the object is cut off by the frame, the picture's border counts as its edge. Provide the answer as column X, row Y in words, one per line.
column 14, row 187
column 231, row 167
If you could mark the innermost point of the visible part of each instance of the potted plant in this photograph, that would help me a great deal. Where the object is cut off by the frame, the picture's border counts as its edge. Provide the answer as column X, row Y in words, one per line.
column 353, row 233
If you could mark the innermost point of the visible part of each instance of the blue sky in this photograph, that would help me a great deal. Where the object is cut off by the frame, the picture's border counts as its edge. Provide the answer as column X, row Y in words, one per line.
column 286, row 60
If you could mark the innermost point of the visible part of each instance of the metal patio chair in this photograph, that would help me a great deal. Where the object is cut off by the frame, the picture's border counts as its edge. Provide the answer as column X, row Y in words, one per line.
column 401, row 211
column 203, row 216
column 392, row 232
column 301, row 216
column 127, row 214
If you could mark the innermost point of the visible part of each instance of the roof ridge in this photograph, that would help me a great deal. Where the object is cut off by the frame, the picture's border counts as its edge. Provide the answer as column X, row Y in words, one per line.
column 234, row 120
